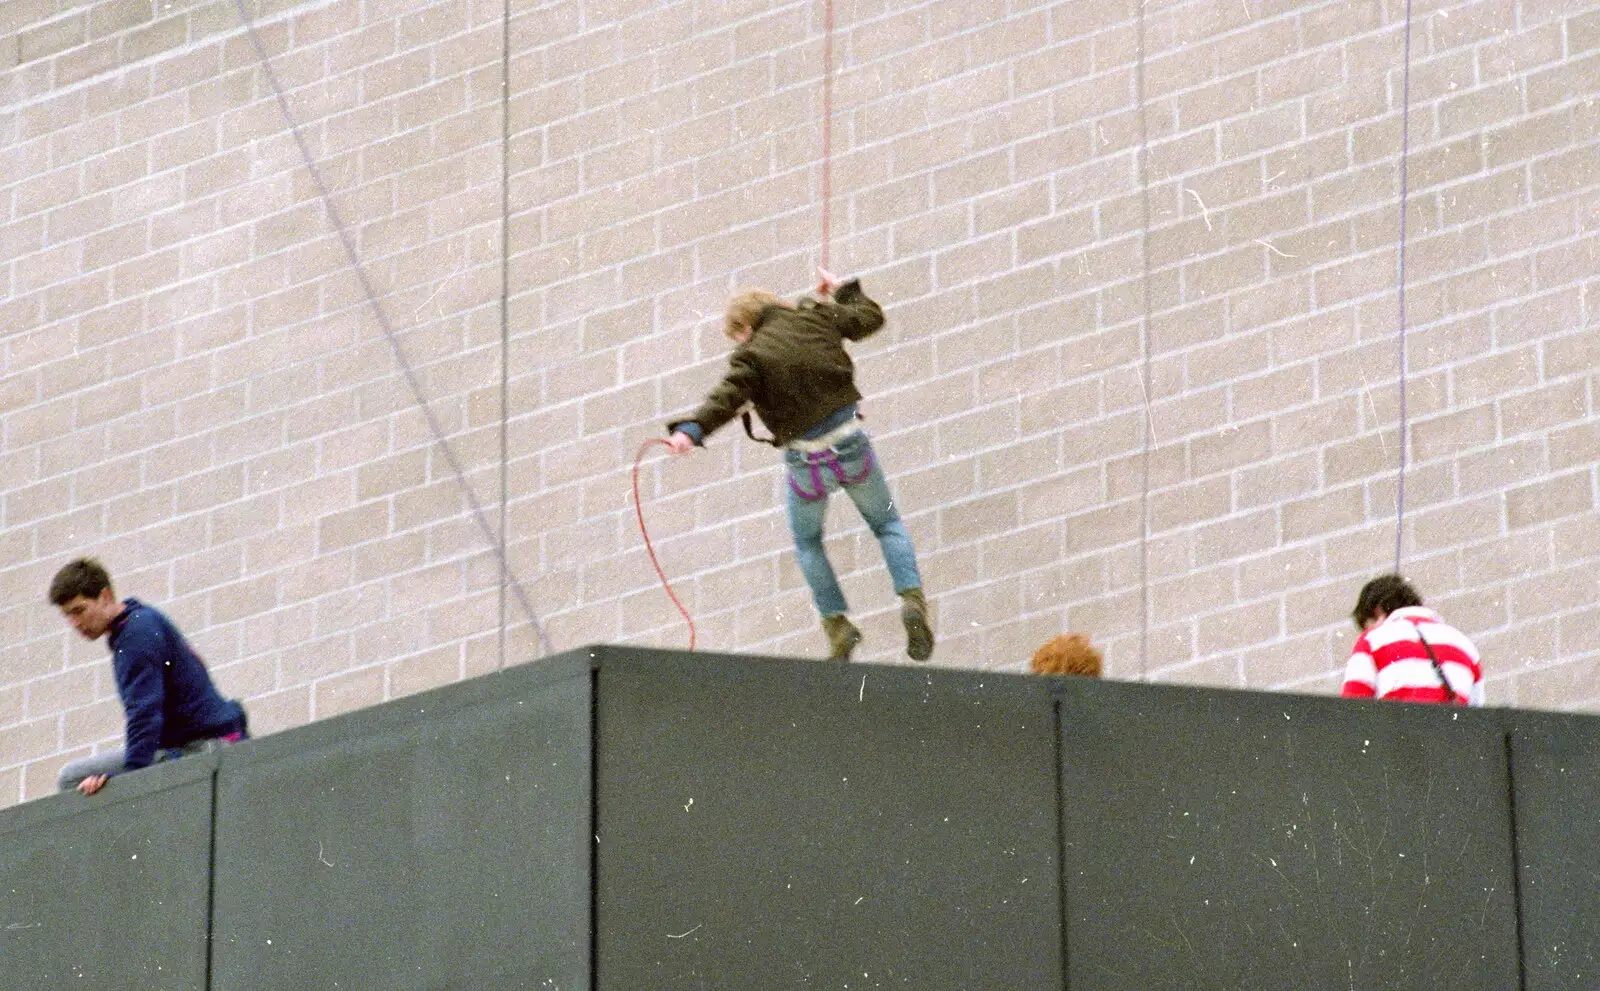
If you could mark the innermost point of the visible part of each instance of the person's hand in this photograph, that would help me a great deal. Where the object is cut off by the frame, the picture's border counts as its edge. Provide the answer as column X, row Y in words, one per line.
column 680, row 442
column 93, row 783
column 827, row 282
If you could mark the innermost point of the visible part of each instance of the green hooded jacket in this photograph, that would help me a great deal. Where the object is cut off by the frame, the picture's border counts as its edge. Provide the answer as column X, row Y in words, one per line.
column 794, row 369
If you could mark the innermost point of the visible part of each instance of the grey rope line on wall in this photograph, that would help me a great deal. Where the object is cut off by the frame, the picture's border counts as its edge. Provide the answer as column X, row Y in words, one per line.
column 1142, row 165
column 1405, row 158
column 382, row 315
column 505, row 324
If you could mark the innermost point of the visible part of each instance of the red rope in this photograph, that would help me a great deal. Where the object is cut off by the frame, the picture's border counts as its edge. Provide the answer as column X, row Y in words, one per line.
column 638, row 510
column 827, row 238
column 827, row 129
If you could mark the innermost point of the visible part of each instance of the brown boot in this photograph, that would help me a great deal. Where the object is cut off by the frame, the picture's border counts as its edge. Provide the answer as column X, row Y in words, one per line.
column 914, row 614
column 842, row 636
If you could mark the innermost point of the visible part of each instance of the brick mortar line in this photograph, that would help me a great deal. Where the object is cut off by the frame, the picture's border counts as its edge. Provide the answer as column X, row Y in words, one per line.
column 848, row 33
column 353, row 388
column 358, row 73
column 775, row 176
column 320, row 83
column 970, row 117
column 1270, row 417
column 328, row 42
column 248, row 226
column 1447, row 319
column 1023, row 183
column 653, row 55
column 188, row 47
column 221, row 351
column 601, row 26
column 216, row 272
column 207, row 511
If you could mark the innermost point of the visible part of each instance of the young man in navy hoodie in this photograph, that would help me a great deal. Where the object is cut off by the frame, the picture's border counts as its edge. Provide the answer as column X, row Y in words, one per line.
column 170, row 704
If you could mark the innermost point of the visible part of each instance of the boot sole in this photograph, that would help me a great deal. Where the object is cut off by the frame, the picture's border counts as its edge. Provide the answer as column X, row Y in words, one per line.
column 919, row 636
column 854, row 642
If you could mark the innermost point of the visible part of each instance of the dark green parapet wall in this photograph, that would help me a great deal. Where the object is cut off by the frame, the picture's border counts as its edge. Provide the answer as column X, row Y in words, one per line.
column 1223, row 840
column 1556, row 768
column 441, row 841
column 777, row 825
column 109, row 894
column 625, row 819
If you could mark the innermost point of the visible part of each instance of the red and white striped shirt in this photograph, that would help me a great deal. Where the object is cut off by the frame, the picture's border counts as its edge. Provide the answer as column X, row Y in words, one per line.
column 1389, row 661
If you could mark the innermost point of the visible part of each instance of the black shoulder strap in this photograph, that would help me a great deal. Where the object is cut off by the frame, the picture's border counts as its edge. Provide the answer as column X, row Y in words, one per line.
column 1437, row 670
column 749, row 431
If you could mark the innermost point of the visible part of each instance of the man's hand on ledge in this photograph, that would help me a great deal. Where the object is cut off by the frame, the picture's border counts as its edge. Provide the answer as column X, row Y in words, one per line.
column 93, row 783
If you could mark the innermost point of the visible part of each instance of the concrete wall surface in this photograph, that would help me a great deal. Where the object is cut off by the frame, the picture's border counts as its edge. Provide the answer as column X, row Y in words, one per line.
column 1141, row 376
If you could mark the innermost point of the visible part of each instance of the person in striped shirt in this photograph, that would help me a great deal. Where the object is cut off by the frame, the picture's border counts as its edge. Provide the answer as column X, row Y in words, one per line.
column 1406, row 653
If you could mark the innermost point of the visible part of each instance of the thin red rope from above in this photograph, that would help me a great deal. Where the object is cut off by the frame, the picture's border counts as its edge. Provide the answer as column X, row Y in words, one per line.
column 827, row 129
column 638, row 510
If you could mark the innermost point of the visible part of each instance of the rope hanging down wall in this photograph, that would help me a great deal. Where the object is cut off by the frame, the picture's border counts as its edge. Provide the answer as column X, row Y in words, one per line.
column 827, row 133
column 509, row 581
column 505, row 330
column 1142, row 167
column 1147, row 441
column 496, row 543
column 1405, row 158
column 824, row 261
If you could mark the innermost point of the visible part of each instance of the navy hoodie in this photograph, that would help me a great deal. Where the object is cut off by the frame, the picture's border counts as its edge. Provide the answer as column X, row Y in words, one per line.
column 166, row 693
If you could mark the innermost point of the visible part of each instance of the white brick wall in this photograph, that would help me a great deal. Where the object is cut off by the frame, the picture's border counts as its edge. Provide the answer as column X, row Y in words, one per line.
column 195, row 389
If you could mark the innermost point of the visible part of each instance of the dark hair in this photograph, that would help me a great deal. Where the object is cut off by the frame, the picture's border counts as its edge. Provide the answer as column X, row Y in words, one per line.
column 1385, row 593
column 85, row 576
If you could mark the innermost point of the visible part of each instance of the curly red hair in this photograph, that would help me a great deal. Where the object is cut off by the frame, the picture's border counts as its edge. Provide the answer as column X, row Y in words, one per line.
column 1069, row 653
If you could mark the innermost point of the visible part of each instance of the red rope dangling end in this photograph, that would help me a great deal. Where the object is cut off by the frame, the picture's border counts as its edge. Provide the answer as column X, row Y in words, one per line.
column 638, row 510
column 827, row 130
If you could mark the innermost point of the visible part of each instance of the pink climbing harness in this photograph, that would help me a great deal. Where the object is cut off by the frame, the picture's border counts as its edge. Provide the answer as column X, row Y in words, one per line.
column 815, row 461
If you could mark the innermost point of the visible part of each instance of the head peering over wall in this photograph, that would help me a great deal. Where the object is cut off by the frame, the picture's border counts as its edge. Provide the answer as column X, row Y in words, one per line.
column 1067, row 654
column 1383, row 594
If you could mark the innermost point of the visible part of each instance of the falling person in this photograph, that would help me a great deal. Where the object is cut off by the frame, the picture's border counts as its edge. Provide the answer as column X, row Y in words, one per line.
column 790, row 363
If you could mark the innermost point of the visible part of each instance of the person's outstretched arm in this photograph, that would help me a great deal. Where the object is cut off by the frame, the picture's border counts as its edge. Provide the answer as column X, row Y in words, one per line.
column 721, row 404
column 854, row 312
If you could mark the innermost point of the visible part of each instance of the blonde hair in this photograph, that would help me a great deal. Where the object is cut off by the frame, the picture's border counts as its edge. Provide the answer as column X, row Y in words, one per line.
column 743, row 308
column 1069, row 653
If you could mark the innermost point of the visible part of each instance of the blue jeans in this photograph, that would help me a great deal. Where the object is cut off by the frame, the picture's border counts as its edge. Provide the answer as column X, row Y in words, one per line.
column 112, row 761
column 863, row 481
